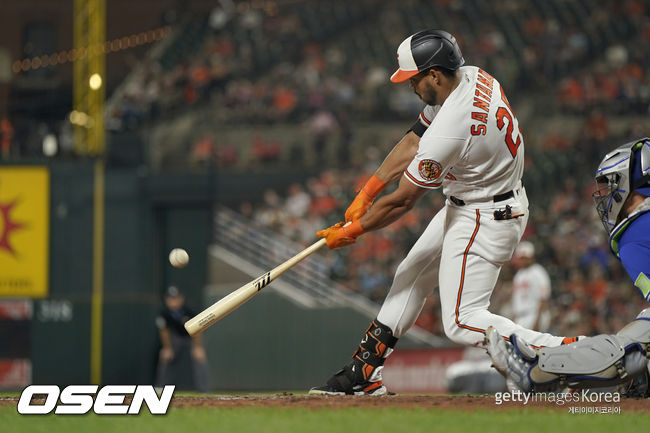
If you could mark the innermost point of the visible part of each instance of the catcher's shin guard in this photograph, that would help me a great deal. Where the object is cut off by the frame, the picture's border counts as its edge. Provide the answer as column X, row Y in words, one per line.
column 363, row 374
column 603, row 360
column 600, row 361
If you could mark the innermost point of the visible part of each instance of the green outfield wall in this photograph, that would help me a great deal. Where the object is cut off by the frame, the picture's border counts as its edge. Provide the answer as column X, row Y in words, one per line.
column 145, row 217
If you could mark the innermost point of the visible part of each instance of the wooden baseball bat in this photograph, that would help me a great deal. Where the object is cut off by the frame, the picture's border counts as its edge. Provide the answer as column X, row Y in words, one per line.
column 234, row 300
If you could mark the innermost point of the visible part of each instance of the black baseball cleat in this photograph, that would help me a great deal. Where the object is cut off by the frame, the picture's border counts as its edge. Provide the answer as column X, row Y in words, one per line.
column 343, row 382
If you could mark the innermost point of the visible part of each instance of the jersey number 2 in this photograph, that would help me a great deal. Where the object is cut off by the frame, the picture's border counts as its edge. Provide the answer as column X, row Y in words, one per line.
column 506, row 112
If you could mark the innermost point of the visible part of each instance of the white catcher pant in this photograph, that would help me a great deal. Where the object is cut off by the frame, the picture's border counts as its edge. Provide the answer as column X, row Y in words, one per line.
column 461, row 251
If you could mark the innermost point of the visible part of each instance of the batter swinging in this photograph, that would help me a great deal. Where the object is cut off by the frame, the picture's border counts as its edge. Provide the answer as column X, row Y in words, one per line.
column 467, row 140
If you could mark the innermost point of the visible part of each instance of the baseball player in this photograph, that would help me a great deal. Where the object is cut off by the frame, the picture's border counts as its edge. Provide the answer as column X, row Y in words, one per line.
column 466, row 140
column 177, row 344
column 531, row 287
column 623, row 203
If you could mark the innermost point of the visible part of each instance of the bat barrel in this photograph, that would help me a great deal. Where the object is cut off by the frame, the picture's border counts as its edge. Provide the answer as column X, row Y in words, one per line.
column 234, row 300
column 221, row 308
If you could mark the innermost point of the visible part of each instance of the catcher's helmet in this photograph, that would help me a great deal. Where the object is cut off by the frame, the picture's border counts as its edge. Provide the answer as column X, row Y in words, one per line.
column 625, row 169
column 424, row 50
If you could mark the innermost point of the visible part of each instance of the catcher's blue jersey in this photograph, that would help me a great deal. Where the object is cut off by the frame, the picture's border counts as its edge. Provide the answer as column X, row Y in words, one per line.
column 634, row 249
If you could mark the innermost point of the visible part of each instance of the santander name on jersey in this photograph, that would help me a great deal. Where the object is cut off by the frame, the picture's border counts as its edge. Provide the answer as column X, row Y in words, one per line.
column 472, row 146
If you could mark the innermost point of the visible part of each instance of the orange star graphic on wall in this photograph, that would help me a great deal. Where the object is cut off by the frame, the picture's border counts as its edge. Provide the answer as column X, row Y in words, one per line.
column 9, row 226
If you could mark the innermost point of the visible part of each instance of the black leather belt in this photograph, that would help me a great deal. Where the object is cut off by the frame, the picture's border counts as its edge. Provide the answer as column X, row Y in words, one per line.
column 496, row 198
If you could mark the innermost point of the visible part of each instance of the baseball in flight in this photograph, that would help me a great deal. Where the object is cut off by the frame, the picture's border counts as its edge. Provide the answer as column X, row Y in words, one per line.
column 179, row 258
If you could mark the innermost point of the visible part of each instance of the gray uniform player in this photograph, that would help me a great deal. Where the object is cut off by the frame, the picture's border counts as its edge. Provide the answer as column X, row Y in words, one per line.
column 623, row 203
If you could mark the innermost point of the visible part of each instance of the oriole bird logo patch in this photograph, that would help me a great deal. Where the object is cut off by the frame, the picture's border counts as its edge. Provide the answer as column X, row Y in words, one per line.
column 430, row 169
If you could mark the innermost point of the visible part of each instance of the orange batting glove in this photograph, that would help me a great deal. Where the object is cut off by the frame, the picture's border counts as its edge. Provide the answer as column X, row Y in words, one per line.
column 339, row 236
column 364, row 199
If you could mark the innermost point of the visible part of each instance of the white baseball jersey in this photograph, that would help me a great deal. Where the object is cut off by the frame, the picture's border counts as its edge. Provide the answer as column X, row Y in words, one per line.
column 473, row 146
column 530, row 287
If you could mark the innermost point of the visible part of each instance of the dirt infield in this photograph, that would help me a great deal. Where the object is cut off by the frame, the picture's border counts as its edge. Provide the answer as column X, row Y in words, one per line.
column 442, row 402
column 459, row 402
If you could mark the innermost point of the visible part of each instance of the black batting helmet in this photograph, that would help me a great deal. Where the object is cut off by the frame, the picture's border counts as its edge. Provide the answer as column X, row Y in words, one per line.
column 426, row 49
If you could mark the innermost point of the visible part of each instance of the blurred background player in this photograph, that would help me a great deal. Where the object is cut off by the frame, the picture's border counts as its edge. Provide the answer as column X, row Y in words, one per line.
column 623, row 204
column 178, row 348
column 531, row 289
column 460, row 142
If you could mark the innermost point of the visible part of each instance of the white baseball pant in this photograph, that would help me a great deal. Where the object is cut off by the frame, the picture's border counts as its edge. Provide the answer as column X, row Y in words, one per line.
column 461, row 251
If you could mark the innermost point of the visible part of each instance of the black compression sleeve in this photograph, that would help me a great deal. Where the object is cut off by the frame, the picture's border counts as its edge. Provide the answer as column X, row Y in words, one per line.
column 418, row 128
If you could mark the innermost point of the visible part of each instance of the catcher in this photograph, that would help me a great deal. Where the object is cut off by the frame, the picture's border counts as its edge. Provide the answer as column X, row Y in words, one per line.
column 623, row 204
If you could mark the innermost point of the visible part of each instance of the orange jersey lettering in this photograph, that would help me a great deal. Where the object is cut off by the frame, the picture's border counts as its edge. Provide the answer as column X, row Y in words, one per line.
column 478, row 129
column 483, row 105
column 481, row 95
column 481, row 117
column 486, row 90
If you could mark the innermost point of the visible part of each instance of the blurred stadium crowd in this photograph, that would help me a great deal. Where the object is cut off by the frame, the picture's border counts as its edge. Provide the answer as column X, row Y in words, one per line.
column 577, row 73
column 272, row 63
